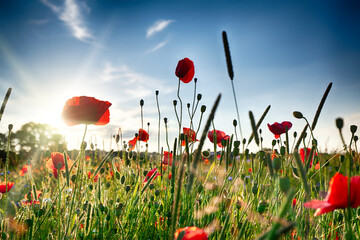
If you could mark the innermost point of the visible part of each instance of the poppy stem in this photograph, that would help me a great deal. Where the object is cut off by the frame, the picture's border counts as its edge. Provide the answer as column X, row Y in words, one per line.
column 237, row 109
column 180, row 118
column 158, row 108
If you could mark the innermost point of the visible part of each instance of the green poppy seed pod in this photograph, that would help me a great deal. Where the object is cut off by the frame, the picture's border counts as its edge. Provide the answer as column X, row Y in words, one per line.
column 122, row 180
column 353, row 129
column 174, row 102
column 165, row 120
column 102, row 170
column 273, row 143
column 236, row 144
column 356, row 138
column 298, row 115
column 255, row 189
column 234, row 123
column 157, row 92
column 73, row 178
column 205, row 153
column 282, row 150
column 244, row 141
column 203, row 108
column 127, row 188
column 261, row 207
column 199, row 96
column 284, row 184
column 339, row 123
column 10, row 127
column 141, row 102
column 188, row 105
column 276, row 163
column 295, row 134
column 84, row 145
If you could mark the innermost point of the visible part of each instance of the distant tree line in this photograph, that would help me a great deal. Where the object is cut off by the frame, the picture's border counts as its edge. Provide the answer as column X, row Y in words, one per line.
column 30, row 139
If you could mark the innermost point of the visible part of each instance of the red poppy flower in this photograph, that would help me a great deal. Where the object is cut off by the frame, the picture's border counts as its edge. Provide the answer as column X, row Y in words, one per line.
column 56, row 162
column 143, row 135
column 192, row 233
column 337, row 196
column 294, row 202
column 190, row 134
column 279, row 128
column 3, row 187
column 38, row 194
column 96, row 178
column 302, row 155
column 150, row 173
column 185, row 70
column 220, row 136
column 24, row 170
column 86, row 110
column 167, row 158
column 206, row 161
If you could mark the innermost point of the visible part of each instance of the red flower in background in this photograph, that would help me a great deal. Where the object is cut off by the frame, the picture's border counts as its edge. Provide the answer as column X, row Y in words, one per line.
column 190, row 134
column 3, row 187
column 86, row 110
column 24, row 170
column 167, row 158
column 31, row 201
column 192, row 233
column 142, row 136
column 302, row 155
column 279, row 128
column 150, row 173
column 185, row 70
column 96, row 178
column 337, row 196
column 56, row 162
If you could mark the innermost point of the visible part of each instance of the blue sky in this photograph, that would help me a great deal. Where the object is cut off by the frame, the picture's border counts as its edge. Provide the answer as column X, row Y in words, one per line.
column 284, row 54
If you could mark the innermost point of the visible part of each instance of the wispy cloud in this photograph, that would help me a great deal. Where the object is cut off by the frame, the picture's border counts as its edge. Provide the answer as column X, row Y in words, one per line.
column 157, row 47
column 158, row 26
column 70, row 14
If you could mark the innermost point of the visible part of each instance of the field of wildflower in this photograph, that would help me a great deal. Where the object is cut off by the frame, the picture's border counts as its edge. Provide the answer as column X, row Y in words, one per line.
column 289, row 190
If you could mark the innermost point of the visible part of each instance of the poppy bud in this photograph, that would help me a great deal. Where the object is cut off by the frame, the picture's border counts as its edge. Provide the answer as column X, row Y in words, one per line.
column 353, row 129
column 117, row 175
column 206, row 154
column 261, row 207
column 339, row 123
column 284, row 184
column 276, row 163
column 174, row 102
column 73, row 178
column 122, row 180
column 10, row 127
column 298, row 115
column 84, row 145
column 157, row 192
column 92, row 146
column 145, row 172
column 273, row 143
column 305, row 134
column 151, row 186
column 188, row 105
column 236, row 144
column 148, row 124
column 261, row 154
column 295, row 134
column 127, row 188
column 102, row 170
column 234, row 122
column 157, row 92
column 108, row 185
column 195, row 80
column 203, row 108
column 356, row 138
column 91, row 187
column 255, row 189
column 260, row 130
column 282, row 150
column 141, row 102
column 165, row 120
column 244, row 141
column 199, row 96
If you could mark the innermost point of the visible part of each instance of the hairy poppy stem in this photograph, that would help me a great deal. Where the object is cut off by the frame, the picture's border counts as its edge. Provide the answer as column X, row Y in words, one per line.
column 158, row 108
column 180, row 118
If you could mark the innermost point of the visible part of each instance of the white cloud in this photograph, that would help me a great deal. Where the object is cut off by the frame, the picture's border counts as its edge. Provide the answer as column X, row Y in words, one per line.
column 158, row 26
column 71, row 15
column 157, row 47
